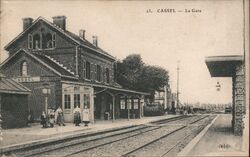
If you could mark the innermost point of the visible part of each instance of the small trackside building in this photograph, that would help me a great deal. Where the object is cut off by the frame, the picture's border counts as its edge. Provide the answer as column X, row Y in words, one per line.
column 78, row 72
column 13, row 103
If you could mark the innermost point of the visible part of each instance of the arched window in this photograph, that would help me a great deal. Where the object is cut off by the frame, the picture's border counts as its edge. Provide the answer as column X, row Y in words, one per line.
column 24, row 69
column 36, row 41
column 87, row 70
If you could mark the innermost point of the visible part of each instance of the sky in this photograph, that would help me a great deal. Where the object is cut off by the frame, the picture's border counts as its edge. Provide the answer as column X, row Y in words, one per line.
column 214, row 28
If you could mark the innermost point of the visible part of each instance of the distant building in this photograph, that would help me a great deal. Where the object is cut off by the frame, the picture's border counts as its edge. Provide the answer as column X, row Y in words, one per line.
column 164, row 97
column 13, row 103
column 78, row 72
column 232, row 66
column 160, row 97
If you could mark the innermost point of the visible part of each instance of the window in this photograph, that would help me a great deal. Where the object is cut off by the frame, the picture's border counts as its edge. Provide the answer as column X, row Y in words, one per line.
column 24, row 69
column 84, row 68
column 47, row 41
column 136, row 104
column 42, row 40
column 98, row 73
column 86, row 100
column 87, row 70
column 76, row 100
column 30, row 41
column 95, row 72
column 36, row 41
column 128, row 103
column 123, row 104
column 92, row 76
column 107, row 75
column 67, row 101
column 103, row 75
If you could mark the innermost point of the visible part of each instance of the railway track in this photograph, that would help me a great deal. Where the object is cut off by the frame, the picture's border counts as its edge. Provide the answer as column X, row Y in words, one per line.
column 174, row 139
column 93, row 141
column 115, row 148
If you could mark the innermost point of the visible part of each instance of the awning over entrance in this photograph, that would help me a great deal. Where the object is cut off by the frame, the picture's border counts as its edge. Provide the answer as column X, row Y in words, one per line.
column 222, row 66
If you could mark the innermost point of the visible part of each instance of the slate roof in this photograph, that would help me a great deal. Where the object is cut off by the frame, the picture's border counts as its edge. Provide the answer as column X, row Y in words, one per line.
column 87, row 43
column 54, row 65
column 10, row 86
column 70, row 35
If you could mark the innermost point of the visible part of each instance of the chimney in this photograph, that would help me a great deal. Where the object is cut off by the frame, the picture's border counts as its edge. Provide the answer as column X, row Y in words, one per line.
column 95, row 41
column 27, row 22
column 82, row 34
column 60, row 21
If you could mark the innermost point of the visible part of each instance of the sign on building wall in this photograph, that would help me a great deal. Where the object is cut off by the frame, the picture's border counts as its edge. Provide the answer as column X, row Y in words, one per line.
column 27, row 79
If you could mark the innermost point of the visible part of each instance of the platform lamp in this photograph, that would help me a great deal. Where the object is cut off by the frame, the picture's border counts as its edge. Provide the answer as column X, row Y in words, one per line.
column 46, row 92
column 218, row 86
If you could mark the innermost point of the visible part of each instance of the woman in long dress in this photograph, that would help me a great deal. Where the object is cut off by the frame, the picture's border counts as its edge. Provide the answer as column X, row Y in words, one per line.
column 77, row 116
column 59, row 116
column 85, row 116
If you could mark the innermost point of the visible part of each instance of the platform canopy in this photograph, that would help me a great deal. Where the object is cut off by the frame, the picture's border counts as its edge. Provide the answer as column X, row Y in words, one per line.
column 222, row 66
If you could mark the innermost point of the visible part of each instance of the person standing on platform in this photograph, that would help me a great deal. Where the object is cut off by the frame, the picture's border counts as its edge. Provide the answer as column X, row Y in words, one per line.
column 77, row 116
column 43, row 120
column 59, row 116
column 51, row 118
column 85, row 116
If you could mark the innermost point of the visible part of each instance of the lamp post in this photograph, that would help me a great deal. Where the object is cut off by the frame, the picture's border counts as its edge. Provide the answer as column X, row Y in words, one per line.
column 46, row 92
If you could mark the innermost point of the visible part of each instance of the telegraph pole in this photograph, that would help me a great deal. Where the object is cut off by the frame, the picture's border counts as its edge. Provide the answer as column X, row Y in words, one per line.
column 178, row 69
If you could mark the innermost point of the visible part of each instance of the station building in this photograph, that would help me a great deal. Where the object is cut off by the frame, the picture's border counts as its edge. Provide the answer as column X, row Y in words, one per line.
column 232, row 66
column 77, row 72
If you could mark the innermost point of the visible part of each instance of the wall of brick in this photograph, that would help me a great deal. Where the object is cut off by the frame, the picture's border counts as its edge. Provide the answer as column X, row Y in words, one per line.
column 238, row 99
column 87, row 55
column 34, row 68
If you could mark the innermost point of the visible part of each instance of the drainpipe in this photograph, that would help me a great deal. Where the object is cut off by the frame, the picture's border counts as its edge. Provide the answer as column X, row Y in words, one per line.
column 77, row 61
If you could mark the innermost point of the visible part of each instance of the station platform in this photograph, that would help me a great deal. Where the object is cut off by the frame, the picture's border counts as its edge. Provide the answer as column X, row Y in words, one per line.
column 35, row 133
column 217, row 139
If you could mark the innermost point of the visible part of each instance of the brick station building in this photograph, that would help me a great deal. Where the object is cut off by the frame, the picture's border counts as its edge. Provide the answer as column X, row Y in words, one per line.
column 232, row 66
column 77, row 72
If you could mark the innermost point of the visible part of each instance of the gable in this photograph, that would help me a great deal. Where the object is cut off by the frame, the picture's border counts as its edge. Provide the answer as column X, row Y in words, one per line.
column 65, row 36
column 12, row 68
column 37, row 65
column 40, row 35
